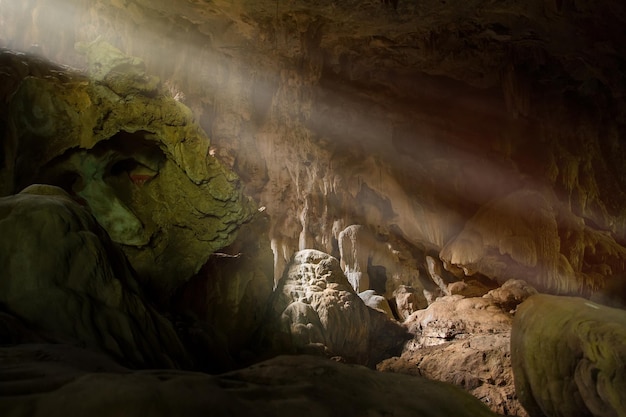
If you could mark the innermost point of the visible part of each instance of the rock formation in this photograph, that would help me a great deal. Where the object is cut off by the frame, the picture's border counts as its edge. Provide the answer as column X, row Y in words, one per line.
column 569, row 357
column 283, row 386
column 436, row 150
column 134, row 156
column 316, row 310
column 426, row 125
column 62, row 274
column 465, row 341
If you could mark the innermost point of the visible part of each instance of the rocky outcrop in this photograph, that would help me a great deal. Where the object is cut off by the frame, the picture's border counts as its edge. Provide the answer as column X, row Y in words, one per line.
column 524, row 236
column 569, row 357
column 134, row 156
column 314, row 309
column 61, row 380
column 315, row 306
column 62, row 276
column 465, row 342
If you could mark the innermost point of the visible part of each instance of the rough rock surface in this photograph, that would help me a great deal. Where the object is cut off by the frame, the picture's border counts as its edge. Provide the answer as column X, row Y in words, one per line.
column 428, row 124
column 62, row 275
column 314, row 308
column 134, row 156
column 409, row 122
column 60, row 381
column 407, row 300
column 569, row 357
column 465, row 341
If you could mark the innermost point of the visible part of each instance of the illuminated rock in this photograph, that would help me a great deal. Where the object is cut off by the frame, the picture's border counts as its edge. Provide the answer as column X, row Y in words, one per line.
column 316, row 305
column 465, row 342
column 315, row 309
column 135, row 157
column 407, row 301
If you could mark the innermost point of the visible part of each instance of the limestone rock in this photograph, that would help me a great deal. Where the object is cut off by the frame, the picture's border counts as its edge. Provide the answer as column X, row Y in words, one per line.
column 515, row 237
column 61, row 381
column 469, row 288
column 407, row 301
column 407, row 121
column 314, row 307
column 463, row 341
column 61, row 274
column 376, row 302
column 455, row 317
column 511, row 294
column 134, row 155
column 568, row 356
column 480, row 364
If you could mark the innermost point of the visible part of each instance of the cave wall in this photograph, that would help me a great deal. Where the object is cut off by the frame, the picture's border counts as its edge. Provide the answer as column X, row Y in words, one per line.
column 487, row 135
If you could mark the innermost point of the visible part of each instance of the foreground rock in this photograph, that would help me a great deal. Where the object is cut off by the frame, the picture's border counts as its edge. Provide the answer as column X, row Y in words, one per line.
column 62, row 380
column 569, row 357
column 62, row 275
column 465, row 341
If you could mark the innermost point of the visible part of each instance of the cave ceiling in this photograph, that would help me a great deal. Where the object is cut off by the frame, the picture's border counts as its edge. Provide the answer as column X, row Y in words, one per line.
column 487, row 132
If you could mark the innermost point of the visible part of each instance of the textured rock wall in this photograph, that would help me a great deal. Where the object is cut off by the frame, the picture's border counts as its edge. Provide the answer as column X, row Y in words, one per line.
column 134, row 156
column 418, row 124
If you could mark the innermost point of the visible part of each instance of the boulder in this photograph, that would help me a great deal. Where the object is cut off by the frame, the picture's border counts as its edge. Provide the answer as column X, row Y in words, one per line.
column 454, row 317
column 569, row 357
column 480, row 364
column 61, row 274
column 376, row 302
column 407, row 301
column 464, row 341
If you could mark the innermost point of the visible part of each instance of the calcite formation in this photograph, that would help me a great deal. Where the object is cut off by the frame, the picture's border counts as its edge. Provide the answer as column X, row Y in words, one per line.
column 314, row 309
column 311, row 301
column 569, row 357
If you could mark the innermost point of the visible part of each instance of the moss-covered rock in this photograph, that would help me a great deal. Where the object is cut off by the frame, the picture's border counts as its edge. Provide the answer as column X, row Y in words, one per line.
column 134, row 155
column 569, row 357
column 61, row 275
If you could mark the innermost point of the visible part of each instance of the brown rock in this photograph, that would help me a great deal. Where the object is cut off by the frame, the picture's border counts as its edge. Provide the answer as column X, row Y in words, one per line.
column 408, row 300
column 463, row 341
